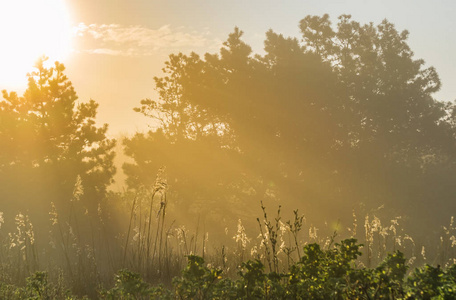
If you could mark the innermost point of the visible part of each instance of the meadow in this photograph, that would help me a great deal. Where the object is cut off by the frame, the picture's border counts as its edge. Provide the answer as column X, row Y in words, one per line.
column 152, row 255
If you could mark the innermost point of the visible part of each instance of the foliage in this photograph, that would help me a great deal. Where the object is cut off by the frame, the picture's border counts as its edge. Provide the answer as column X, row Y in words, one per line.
column 197, row 281
column 343, row 116
column 49, row 141
column 129, row 285
column 432, row 283
column 36, row 288
column 320, row 274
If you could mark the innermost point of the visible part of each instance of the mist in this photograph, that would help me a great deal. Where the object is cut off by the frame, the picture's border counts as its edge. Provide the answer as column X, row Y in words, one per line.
column 332, row 135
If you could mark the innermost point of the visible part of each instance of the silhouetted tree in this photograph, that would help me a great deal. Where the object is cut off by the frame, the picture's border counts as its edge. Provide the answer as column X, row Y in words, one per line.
column 397, row 131
column 344, row 116
column 49, row 140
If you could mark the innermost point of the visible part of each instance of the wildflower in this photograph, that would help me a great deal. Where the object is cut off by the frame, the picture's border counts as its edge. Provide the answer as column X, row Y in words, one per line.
column 453, row 241
column 411, row 261
column 241, row 236
column 78, row 190
column 182, row 233
column 355, row 224
column 407, row 237
column 376, row 224
column 313, row 232
column 254, row 251
column 53, row 214
column 136, row 236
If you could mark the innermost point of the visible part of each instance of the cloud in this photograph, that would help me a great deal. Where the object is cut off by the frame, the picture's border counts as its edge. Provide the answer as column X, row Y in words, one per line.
column 114, row 39
column 104, row 51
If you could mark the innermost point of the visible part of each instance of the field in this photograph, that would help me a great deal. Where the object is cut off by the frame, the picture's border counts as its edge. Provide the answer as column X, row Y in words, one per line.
column 150, row 256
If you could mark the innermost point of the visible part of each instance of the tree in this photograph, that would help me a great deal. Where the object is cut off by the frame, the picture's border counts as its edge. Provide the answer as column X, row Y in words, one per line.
column 398, row 131
column 344, row 116
column 50, row 143
column 195, row 146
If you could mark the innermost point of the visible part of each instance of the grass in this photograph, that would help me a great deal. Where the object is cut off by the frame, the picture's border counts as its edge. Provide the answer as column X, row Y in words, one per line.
column 79, row 255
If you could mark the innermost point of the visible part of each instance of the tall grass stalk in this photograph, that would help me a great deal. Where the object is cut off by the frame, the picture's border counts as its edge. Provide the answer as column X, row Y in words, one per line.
column 127, row 240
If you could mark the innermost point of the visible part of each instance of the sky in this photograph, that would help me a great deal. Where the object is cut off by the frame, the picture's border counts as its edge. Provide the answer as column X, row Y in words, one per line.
column 114, row 48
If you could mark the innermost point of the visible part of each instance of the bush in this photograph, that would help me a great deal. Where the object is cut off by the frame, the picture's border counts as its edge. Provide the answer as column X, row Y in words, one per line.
column 319, row 274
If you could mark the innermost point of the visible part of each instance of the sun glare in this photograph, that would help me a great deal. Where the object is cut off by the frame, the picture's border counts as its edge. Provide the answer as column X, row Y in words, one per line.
column 28, row 30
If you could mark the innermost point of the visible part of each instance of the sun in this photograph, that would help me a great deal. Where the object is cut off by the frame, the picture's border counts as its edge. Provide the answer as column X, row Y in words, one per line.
column 30, row 29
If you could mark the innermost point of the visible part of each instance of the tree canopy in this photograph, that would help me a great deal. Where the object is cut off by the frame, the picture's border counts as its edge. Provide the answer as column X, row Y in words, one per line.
column 50, row 144
column 341, row 116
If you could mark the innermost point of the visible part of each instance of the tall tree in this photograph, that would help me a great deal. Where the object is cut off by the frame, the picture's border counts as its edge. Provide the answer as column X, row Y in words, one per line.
column 49, row 143
column 346, row 115
column 189, row 141
column 398, row 130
